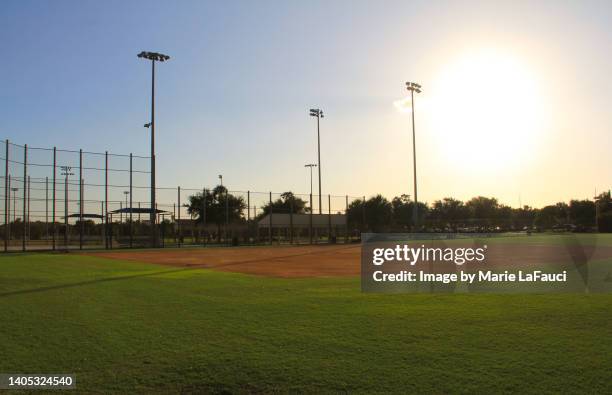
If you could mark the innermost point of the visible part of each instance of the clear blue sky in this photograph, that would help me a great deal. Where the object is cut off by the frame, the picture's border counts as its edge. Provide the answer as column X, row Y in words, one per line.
column 234, row 97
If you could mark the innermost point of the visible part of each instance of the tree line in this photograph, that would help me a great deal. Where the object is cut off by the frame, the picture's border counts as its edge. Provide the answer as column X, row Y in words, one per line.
column 378, row 214
column 483, row 214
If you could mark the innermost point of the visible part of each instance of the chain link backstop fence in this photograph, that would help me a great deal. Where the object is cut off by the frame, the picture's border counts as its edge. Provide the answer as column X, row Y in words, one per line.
column 57, row 199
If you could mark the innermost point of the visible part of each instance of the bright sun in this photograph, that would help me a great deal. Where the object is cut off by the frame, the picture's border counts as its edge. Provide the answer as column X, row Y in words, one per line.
column 486, row 111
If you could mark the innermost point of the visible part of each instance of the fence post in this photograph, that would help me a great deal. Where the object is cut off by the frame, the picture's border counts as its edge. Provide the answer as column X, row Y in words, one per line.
column 82, row 183
column 226, row 213
column 291, row 221
column 102, row 219
column 310, row 228
column 80, row 199
column 363, row 214
column 329, row 224
column 25, row 191
column 131, row 222
column 346, row 235
column 66, row 211
column 178, row 207
column 53, row 228
column 29, row 194
column 249, row 224
column 6, row 194
column 109, row 237
column 9, row 209
column 204, row 234
column 175, row 232
column 47, row 209
column 270, row 221
column 156, row 221
column 255, row 225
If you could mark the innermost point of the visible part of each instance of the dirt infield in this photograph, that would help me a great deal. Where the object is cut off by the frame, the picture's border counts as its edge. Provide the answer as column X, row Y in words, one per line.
column 338, row 260
column 292, row 261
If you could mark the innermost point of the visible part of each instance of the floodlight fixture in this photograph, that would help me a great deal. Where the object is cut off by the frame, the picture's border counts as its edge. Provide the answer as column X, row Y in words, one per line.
column 315, row 112
column 155, row 56
column 66, row 171
column 413, row 87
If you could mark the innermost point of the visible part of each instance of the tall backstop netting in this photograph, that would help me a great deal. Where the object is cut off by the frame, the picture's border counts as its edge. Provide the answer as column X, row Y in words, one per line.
column 58, row 199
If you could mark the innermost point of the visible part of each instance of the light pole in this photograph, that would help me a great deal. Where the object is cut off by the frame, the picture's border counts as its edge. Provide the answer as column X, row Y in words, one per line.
column 153, row 57
column 414, row 87
column 316, row 112
column 311, row 165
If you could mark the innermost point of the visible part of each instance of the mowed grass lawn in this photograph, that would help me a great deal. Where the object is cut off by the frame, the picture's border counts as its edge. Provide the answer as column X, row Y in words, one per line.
column 130, row 327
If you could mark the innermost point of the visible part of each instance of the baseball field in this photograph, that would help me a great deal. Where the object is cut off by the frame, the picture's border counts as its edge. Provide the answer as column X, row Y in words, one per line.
column 288, row 319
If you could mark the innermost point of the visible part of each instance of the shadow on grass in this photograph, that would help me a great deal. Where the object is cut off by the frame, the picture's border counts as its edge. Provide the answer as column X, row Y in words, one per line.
column 96, row 281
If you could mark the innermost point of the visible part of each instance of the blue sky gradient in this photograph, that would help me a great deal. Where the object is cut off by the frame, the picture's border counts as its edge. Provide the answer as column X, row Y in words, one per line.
column 234, row 97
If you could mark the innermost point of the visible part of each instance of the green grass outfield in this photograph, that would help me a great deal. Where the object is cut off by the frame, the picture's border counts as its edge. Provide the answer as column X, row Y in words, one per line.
column 125, row 327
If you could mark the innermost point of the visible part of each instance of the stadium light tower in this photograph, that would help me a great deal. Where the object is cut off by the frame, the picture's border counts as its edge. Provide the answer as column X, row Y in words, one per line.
column 311, row 165
column 414, row 87
column 153, row 57
column 317, row 112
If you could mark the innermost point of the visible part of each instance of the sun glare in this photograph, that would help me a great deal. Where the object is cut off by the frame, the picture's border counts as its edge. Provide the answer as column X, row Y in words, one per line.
column 486, row 111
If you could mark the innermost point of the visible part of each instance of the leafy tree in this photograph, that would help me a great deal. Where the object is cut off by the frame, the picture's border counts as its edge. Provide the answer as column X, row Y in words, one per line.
column 604, row 208
column 355, row 214
column 219, row 205
column 403, row 211
column 550, row 216
column 525, row 216
column 449, row 212
column 482, row 210
column 378, row 213
column 287, row 203
column 504, row 217
column 582, row 212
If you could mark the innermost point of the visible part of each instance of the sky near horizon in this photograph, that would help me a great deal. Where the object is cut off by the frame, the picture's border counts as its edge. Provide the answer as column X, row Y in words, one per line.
column 515, row 101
